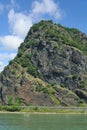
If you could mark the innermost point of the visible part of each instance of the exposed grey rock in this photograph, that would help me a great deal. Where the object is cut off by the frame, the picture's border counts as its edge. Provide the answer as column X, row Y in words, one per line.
column 50, row 55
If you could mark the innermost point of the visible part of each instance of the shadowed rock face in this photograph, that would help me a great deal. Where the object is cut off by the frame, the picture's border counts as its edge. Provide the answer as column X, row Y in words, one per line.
column 49, row 69
column 61, row 66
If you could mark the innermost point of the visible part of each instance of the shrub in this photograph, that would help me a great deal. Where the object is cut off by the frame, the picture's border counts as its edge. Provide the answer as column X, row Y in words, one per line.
column 28, row 55
column 10, row 101
column 83, row 84
column 62, row 85
column 32, row 70
column 39, row 87
column 45, row 90
column 14, row 71
column 20, row 53
column 36, row 108
column 81, row 101
column 25, row 62
column 74, row 76
column 12, row 108
column 18, row 101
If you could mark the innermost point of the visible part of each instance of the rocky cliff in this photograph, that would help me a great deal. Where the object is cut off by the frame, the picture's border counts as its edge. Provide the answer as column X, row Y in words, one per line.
column 49, row 69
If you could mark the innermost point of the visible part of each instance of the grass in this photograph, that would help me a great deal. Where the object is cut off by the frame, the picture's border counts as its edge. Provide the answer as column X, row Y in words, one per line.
column 44, row 109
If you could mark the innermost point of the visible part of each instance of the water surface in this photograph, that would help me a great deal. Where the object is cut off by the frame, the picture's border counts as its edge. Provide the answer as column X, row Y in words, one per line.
column 43, row 122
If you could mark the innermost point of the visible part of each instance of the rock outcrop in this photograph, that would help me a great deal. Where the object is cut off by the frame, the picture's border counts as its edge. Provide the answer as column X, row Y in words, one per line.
column 49, row 69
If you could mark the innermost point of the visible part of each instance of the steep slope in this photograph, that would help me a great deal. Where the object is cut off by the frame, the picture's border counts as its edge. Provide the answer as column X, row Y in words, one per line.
column 49, row 69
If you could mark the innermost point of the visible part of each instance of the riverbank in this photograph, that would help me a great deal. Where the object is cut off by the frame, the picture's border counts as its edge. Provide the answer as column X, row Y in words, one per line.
column 43, row 110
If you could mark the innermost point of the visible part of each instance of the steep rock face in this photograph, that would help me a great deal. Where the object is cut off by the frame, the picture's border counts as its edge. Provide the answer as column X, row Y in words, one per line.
column 64, row 65
column 49, row 69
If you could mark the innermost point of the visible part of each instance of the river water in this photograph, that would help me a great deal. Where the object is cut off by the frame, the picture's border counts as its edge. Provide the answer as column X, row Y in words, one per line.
column 43, row 121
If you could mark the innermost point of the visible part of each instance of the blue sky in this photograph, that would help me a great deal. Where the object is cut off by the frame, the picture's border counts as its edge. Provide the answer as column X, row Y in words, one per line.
column 17, row 16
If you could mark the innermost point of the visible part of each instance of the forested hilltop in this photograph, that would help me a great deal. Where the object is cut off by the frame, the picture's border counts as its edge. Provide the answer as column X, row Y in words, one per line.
column 50, row 68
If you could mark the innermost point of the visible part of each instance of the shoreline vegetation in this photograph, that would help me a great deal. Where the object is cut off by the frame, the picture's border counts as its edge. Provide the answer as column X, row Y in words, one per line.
column 43, row 110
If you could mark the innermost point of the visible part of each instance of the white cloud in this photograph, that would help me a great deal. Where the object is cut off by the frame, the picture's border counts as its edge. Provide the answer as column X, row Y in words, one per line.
column 12, row 56
column 19, row 23
column 5, row 56
column 46, row 7
column 10, row 42
column 1, row 66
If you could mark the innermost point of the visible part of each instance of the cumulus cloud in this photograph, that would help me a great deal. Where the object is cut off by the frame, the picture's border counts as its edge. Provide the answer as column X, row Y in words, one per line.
column 5, row 57
column 10, row 42
column 19, row 23
column 1, row 66
column 46, row 7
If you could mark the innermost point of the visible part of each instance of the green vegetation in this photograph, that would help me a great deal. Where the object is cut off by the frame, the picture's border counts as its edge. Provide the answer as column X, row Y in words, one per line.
column 10, row 108
column 62, row 85
column 42, row 24
column 46, row 90
column 83, row 84
column 64, row 35
column 48, row 58
column 74, row 76
column 20, row 53
column 12, row 102
column 32, row 70
column 81, row 102
column 42, row 109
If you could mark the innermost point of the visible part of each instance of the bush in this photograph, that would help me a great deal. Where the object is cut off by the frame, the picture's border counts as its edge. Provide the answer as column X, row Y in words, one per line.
column 10, row 101
column 62, row 85
column 81, row 101
column 45, row 90
column 16, row 102
column 25, row 62
column 12, row 108
column 74, row 76
column 14, row 71
column 36, row 108
column 20, row 53
column 39, row 87
column 83, row 84
column 28, row 55
column 32, row 70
